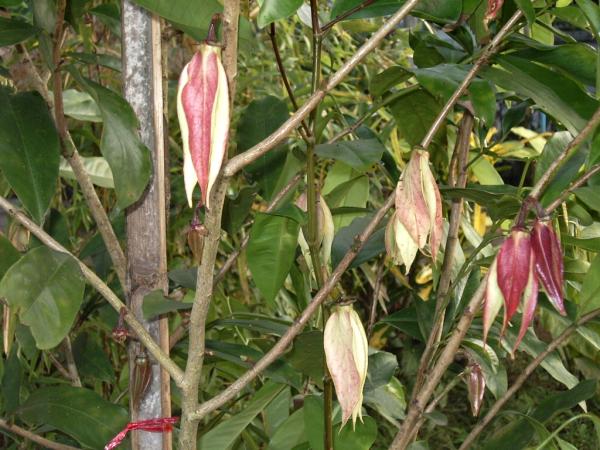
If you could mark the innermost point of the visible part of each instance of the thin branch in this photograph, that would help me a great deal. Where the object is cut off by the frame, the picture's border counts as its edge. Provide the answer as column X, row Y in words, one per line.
column 58, row 366
column 325, row 28
column 285, row 341
column 576, row 142
column 525, row 374
column 242, row 160
column 574, row 185
column 102, row 289
column 375, row 299
column 461, row 156
column 70, row 152
column 34, row 437
column 304, row 131
column 71, row 366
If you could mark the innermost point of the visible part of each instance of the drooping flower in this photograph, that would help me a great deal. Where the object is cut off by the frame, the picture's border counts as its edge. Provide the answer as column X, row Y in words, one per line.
column 493, row 8
column 325, row 230
column 418, row 217
column 475, row 387
column 203, row 112
column 346, row 354
column 549, row 262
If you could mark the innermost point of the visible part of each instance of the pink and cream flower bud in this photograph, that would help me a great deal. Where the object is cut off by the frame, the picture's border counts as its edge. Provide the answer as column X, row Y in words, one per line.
column 549, row 262
column 325, row 230
column 347, row 356
column 418, row 217
column 203, row 112
column 475, row 387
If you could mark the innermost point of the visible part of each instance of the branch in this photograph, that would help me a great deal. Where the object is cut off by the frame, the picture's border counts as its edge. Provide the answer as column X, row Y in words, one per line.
column 102, row 289
column 325, row 28
column 242, row 160
column 577, row 183
column 284, row 342
column 71, row 366
column 72, row 155
column 34, row 437
column 525, row 374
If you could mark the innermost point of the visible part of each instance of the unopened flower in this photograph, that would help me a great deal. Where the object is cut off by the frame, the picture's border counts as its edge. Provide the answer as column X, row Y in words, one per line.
column 418, row 217
column 203, row 112
column 493, row 8
column 475, row 387
column 512, row 276
column 325, row 230
column 346, row 354
column 549, row 262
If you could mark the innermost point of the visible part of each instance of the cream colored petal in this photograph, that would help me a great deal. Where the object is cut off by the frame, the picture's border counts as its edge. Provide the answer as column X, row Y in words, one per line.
column 493, row 300
column 190, row 178
column 328, row 231
column 406, row 246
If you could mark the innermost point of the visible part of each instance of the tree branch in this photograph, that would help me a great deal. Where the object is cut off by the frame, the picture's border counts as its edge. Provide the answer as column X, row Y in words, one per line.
column 34, row 437
column 577, row 183
column 101, row 287
column 281, row 346
column 242, row 160
column 525, row 374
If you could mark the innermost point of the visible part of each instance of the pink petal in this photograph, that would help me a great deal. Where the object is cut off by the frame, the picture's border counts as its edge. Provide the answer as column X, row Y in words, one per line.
column 549, row 263
column 529, row 303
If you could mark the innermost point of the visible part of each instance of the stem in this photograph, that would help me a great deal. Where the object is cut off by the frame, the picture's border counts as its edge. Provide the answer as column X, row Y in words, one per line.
column 305, row 132
column 346, row 14
column 470, row 439
column 283, row 343
column 33, row 437
column 267, row 144
column 563, row 425
column 461, row 156
column 574, row 185
column 375, row 300
column 93, row 279
column 71, row 366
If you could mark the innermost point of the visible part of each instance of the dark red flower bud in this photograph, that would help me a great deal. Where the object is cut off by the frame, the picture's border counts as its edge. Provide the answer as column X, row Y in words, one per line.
column 549, row 262
column 514, row 270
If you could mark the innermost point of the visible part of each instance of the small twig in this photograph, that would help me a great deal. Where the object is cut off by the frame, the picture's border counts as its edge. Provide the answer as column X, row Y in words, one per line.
column 101, row 287
column 375, row 299
column 574, row 185
column 34, row 437
column 304, row 131
column 325, row 28
column 496, row 407
column 58, row 366
column 71, row 366
column 267, row 144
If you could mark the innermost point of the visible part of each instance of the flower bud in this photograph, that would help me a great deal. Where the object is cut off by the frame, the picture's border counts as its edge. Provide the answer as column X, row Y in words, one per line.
column 203, row 112
column 346, row 354
column 195, row 237
column 475, row 387
column 418, row 218
column 325, row 229
column 549, row 262
column 493, row 8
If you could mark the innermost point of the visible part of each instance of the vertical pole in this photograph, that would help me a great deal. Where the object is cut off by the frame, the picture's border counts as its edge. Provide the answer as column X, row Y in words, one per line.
column 146, row 220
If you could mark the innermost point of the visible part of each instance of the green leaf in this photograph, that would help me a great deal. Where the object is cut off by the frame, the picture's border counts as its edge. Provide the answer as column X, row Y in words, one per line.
column 592, row 14
column 277, row 411
column 589, row 297
column 381, row 369
column 444, row 11
column 557, row 95
column 590, row 196
column 271, row 251
column 226, row 432
column 128, row 158
column 13, row 31
column 274, row 10
column 81, row 106
column 11, row 383
column 96, row 167
column 46, row 288
column 387, row 79
column 307, row 355
column 362, row 438
column 414, row 114
column 388, row 400
column 345, row 187
column 359, row 154
column 237, row 209
column 260, row 118
column 483, row 97
column 8, row 255
column 78, row 412
column 527, row 7
column 155, row 303
column 344, row 240
column 29, row 150
column 109, row 61
column 91, row 360
column 290, row 433
column 406, row 321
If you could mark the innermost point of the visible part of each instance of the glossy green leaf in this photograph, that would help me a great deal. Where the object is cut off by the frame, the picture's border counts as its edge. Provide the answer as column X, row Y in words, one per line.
column 557, row 95
column 29, row 150
column 589, row 297
column 290, row 433
column 96, row 167
column 81, row 106
column 387, row 79
column 345, row 187
column 414, row 114
column 307, row 355
column 444, row 11
column 359, row 154
column 12, row 379
column 406, row 321
column 91, row 360
column 527, row 7
column 236, row 209
column 388, row 400
column 381, row 369
column 109, row 61
column 8, row 255
column 46, row 288
column 274, row 10
column 155, row 303
column 344, row 240
column 78, row 412
column 271, row 251
column 483, row 98
column 226, row 432
column 591, row 10
column 260, row 118
column 129, row 159
column 13, row 31
column 277, row 411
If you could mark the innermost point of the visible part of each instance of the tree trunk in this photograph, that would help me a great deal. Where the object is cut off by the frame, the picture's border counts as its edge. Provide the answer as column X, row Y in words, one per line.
column 146, row 220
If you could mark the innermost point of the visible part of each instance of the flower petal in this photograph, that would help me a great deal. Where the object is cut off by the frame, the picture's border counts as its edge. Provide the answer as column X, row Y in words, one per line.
column 549, row 262
column 493, row 299
column 529, row 302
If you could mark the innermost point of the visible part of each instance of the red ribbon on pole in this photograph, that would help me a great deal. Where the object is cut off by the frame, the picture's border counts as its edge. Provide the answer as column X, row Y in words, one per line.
column 160, row 425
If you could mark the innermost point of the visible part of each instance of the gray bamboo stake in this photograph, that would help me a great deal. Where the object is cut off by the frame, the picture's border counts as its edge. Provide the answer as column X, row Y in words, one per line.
column 146, row 220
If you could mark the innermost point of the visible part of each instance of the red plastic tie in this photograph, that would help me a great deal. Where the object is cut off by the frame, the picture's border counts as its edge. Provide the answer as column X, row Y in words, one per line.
column 160, row 425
